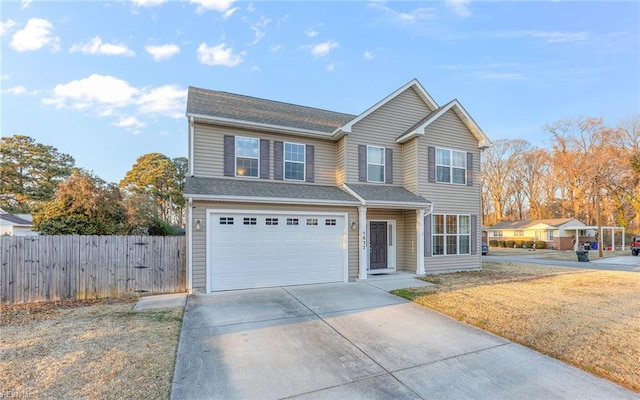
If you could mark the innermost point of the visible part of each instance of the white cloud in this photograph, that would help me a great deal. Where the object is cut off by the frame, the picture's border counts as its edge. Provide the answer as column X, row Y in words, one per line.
column 147, row 3
column 216, row 5
column 218, row 55
column 414, row 16
column 549, row 37
column 5, row 27
column 274, row 48
column 163, row 52
column 167, row 100
column 311, row 33
column 331, row 67
column 459, row 7
column 130, row 122
column 96, row 46
column 368, row 55
column 103, row 92
column 35, row 35
column 19, row 90
column 229, row 12
column 251, row 8
column 259, row 30
column 25, row 4
column 324, row 48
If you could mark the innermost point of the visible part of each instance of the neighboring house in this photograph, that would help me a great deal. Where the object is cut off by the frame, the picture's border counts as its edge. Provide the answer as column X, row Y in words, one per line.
column 558, row 233
column 282, row 194
column 16, row 225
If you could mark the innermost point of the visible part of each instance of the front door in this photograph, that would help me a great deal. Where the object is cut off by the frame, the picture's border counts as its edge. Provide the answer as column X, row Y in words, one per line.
column 378, row 245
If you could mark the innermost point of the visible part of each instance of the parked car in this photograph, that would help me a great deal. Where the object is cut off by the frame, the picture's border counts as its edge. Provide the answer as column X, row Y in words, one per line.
column 485, row 249
column 635, row 245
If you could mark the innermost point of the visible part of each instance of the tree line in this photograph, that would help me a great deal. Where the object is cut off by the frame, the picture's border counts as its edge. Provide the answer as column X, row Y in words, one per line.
column 65, row 199
column 590, row 172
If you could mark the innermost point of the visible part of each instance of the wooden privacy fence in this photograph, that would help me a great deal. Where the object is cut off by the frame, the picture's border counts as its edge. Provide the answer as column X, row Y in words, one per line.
column 45, row 268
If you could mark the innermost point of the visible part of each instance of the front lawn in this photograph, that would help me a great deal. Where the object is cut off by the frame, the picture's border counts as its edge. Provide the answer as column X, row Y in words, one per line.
column 590, row 319
column 87, row 350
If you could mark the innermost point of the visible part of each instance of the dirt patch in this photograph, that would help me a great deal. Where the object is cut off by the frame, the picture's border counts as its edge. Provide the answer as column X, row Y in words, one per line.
column 88, row 350
column 590, row 319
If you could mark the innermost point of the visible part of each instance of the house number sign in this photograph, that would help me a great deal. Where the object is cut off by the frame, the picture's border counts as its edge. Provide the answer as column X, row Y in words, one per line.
column 364, row 240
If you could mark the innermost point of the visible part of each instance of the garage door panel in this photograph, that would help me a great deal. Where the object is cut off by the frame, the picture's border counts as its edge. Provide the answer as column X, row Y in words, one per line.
column 254, row 251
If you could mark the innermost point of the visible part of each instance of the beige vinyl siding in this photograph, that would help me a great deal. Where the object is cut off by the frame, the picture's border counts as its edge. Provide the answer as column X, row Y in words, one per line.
column 382, row 127
column 199, row 237
column 409, row 241
column 341, row 161
column 397, row 216
column 209, row 151
column 410, row 165
column 449, row 198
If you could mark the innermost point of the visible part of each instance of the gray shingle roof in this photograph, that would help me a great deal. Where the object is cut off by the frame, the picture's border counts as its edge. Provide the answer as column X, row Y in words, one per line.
column 14, row 219
column 384, row 193
column 213, row 103
column 246, row 189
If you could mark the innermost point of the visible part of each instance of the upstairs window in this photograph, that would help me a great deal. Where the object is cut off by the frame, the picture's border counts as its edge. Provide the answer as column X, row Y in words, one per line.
column 451, row 166
column 375, row 164
column 294, row 161
column 247, row 156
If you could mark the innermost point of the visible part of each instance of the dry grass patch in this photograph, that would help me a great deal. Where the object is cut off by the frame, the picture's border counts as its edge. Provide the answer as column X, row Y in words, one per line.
column 590, row 319
column 563, row 255
column 88, row 350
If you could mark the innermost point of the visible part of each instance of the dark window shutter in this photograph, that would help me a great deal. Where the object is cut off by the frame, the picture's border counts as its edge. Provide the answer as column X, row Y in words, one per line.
column 264, row 159
column 428, row 242
column 432, row 163
column 469, row 169
column 362, row 163
column 229, row 155
column 278, row 157
column 388, row 165
column 474, row 235
column 309, row 163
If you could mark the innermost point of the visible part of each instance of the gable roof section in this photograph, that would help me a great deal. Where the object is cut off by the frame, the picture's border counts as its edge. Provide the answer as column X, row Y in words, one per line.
column 411, row 84
column 223, row 107
column 420, row 127
column 554, row 222
column 225, row 189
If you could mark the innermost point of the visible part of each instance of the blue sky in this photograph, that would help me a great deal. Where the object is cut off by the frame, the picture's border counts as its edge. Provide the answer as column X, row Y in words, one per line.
column 106, row 81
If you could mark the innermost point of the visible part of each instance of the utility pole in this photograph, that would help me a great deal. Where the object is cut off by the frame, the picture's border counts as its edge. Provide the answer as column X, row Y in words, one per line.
column 599, row 232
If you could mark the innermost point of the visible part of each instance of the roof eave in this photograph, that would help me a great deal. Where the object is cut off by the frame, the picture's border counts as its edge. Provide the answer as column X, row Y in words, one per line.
column 274, row 200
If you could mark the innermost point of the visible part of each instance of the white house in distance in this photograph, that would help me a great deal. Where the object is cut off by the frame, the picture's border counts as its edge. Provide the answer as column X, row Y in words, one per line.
column 16, row 224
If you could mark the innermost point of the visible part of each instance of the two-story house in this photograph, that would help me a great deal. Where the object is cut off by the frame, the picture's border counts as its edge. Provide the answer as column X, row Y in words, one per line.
column 282, row 194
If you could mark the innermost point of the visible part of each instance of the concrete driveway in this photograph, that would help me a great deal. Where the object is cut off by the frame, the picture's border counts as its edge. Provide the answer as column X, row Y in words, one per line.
column 356, row 341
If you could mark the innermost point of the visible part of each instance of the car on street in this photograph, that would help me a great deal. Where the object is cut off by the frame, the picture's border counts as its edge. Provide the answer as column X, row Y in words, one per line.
column 485, row 249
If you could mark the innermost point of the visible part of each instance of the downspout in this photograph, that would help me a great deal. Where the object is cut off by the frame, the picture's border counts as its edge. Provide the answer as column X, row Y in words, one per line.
column 191, row 138
column 421, row 213
column 189, row 245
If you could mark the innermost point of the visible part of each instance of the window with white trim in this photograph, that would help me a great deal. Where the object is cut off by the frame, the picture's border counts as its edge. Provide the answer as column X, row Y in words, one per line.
column 247, row 156
column 375, row 164
column 312, row 221
column 549, row 236
column 496, row 234
column 271, row 221
column 226, row 220
column 451, row 234
column 451, row 166
column 292, row 221
column 330, row 221
column 294, row 161
column 249, row 221
column 518, row 233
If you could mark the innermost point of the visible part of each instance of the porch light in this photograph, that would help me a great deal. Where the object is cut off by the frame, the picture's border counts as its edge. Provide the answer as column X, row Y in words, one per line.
column 198, row 224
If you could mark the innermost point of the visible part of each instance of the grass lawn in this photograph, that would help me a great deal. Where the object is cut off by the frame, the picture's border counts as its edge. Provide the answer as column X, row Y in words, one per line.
column 87, row 350
column 587, row 318
column 564, row 255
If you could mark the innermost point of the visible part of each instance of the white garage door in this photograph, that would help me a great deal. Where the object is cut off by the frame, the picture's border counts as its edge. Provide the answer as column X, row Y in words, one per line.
column 253, row 249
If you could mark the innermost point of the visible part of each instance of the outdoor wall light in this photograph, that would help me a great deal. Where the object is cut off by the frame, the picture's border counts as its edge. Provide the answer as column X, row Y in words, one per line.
column 198, row 224
column 353, row 225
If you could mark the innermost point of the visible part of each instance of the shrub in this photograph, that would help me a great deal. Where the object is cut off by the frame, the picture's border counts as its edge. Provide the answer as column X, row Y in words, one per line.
column 493, row 243
column 520, row 243
column 511, row 243
column 541, row 244
column 529, row 244
column 502, row 243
